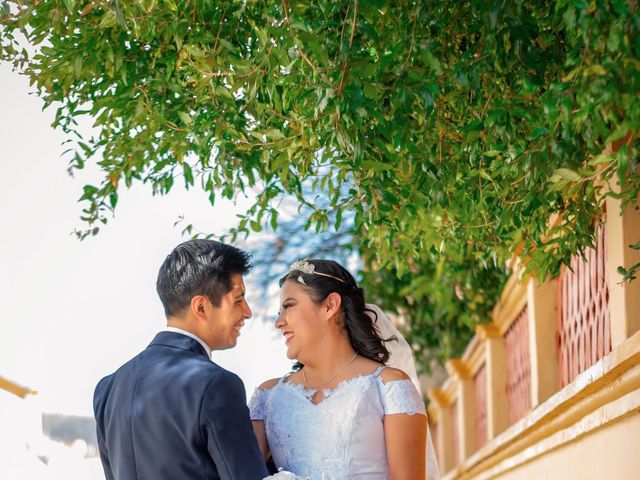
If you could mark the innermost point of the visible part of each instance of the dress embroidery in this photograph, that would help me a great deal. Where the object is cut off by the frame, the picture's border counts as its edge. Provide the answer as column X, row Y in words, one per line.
column 256, row 404
column 401, row 396
column 342, row 436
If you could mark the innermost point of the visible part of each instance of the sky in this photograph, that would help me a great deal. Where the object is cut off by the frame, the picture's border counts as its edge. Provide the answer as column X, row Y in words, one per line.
column 73, row 311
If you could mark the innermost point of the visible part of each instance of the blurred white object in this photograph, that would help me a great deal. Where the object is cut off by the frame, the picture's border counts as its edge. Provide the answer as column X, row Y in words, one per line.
column 27, row 454
column 21, row 427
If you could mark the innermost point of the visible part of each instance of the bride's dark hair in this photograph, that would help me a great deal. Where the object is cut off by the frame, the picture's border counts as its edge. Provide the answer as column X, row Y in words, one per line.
column 358, row 321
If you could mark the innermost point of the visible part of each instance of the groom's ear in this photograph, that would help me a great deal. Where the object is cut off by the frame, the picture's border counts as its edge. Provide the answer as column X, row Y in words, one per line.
column 198, row 306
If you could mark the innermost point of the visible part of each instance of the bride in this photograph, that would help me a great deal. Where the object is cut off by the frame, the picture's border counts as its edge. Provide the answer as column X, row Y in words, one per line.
column 344, row 412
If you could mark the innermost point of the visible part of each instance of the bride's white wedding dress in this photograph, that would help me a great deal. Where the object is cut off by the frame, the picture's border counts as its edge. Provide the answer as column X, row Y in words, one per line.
column 341, row 437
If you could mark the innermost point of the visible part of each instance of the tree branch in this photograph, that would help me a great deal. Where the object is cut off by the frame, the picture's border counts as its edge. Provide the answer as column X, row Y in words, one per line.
column 285, row 7
column 345, row 65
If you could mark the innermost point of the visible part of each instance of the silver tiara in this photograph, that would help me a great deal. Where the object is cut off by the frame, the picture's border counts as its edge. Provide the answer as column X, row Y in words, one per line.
column 309, row 269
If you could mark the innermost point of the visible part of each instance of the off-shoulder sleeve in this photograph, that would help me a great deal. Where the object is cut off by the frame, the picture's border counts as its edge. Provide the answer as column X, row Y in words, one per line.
column 257, row 404
column 400, row 396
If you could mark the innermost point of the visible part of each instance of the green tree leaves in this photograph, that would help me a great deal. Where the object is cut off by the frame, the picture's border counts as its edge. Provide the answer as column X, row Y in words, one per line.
column 453, row 131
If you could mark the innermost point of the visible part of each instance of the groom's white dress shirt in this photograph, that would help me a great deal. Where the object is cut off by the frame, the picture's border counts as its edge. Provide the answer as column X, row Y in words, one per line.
column 191, row 335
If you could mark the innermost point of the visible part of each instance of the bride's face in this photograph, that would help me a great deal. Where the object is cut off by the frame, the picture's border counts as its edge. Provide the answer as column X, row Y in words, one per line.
column 300, row 321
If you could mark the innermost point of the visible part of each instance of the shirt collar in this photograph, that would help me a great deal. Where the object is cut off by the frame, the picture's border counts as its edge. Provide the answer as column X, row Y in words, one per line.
column 190, row 335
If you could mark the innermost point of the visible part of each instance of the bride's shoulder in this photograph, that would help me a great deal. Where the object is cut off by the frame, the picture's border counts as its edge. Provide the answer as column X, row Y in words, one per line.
column 386, row 374
column 269, row 384
column 389, row 374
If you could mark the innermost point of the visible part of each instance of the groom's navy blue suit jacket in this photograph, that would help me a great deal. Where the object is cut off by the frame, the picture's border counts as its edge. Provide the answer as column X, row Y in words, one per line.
column 170, row 413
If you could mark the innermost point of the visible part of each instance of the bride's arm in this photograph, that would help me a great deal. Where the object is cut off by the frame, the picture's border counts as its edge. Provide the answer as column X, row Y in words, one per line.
column 405, row 438
column 261, row 435
column 258, row 425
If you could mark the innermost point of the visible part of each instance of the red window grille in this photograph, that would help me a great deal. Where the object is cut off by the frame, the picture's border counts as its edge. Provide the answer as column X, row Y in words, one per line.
column 480, row 390
column 518, row 367
column 584, row 333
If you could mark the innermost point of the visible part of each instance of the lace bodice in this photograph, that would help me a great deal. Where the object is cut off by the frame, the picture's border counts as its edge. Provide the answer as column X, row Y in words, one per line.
column 342, row 437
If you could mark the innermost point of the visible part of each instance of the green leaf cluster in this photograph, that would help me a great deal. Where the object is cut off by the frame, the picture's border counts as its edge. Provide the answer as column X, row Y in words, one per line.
column 457, row 134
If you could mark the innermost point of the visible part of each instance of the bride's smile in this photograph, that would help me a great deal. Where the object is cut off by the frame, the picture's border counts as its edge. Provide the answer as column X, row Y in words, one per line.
column 300, row 321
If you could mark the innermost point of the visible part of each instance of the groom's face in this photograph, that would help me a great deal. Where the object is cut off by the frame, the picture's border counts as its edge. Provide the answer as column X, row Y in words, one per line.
column 225, row 321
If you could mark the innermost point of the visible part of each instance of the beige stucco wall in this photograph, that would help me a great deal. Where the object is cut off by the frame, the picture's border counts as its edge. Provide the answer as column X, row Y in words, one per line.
column 590, row 428
column 611, row 452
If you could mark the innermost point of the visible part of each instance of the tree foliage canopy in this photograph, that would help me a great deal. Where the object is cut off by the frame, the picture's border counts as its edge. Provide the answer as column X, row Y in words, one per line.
column 457, row 133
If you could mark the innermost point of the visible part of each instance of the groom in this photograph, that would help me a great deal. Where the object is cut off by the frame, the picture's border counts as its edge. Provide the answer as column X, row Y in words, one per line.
column 170, row 412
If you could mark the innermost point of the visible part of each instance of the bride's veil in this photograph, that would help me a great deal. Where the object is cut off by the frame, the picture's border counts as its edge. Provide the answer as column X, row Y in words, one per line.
column 401, row 358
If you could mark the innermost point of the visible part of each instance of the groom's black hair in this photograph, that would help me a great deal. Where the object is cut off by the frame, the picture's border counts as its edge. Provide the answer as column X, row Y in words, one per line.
column 198, row 267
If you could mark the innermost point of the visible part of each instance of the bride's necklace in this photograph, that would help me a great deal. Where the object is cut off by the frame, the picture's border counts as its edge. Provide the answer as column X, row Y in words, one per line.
column 304, row 375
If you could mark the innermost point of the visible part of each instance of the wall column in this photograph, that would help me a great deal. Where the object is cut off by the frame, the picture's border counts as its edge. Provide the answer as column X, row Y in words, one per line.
column 444, row 438
column 542, row 306
column 466, row 418
column 623, row 229
column 496, row 371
